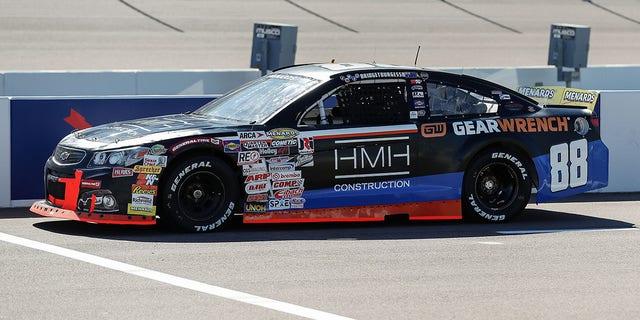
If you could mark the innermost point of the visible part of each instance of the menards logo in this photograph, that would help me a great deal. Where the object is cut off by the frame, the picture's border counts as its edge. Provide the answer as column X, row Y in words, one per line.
column 579, row 96
column 529, row 125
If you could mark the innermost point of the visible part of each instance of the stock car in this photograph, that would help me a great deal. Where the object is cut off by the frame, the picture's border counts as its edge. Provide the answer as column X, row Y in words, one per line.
column 329, row 143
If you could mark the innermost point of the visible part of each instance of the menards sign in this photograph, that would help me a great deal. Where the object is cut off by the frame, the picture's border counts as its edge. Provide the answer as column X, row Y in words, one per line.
column 561, row 96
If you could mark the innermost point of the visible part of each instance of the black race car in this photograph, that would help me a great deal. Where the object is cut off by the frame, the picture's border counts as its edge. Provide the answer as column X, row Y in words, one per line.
column 331, row 142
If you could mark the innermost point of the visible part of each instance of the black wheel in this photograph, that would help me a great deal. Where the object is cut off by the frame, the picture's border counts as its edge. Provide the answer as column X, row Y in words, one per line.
column 496, row 186
column 199, row 195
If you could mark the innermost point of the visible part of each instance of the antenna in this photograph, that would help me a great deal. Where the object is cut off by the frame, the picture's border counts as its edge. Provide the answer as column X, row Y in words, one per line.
column 415, row 62
column 375, row 47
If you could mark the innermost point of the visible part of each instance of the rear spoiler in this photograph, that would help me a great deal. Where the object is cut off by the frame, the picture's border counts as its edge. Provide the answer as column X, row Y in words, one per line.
column 561, row 97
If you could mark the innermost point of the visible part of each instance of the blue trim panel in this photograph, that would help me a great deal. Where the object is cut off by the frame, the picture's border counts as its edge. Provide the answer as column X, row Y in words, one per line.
column 597, row 175
column 417, row 189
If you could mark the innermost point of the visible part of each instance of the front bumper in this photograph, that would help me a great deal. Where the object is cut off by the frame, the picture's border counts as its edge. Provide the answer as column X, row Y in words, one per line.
column 47, row 210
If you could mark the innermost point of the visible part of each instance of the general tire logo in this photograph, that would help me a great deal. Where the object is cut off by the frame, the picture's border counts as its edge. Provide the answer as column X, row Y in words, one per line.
column 433, row 130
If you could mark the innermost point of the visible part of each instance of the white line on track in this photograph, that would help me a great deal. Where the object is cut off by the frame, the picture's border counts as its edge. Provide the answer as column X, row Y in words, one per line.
column 564, row 230
column 173, row 280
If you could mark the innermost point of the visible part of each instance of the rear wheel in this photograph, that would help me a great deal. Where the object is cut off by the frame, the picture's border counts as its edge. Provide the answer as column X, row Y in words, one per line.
column 496, row 186
column 199, row 195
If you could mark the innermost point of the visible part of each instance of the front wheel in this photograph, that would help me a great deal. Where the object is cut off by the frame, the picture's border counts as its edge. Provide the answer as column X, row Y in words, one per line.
column 496, row 186
column 199, row 194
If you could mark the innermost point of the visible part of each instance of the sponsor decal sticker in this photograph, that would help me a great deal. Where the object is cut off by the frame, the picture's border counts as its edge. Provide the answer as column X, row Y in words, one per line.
column 147, row 169
column 419, row 104
column 304, row 160
column 286, row 175
column 527, row 125
column 142, row 211
column 305, row 145
column 278, row 204
column 262, row 176
column 144, row 189
column 248, row 157
column 91, row 184
column 274, row 151
column 157, row 149
column 282, row 133
column 297, row 203
column 191, row 141
column 561, row 96
column 252, row 135
column 248, row 169
column 141, row 204
column 535, row 92
column 257, row 187
column 258, row 197
column 288, row 184
column 250, row 207
column 284, row 143
column 147, row 179
column 255, row 144
column 278, row 167
column 433, row 130
column 276, row 160
column 158, row 161
column 231, row 146
column 121, row 172
column 288, row 193
column 417, row 94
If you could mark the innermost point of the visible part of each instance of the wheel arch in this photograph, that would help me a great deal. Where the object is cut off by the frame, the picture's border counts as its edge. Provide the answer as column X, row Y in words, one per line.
column 513, row 145
column 196, row 152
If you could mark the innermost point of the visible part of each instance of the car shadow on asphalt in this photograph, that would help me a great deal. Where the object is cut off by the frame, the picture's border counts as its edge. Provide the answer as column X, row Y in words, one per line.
column 531, row 221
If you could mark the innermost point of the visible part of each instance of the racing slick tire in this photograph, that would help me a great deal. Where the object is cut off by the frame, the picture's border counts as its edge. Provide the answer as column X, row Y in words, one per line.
column 199, row 195
column 496, row 186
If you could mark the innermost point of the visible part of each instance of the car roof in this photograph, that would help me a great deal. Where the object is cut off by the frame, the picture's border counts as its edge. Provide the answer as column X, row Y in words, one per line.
column 324, row 71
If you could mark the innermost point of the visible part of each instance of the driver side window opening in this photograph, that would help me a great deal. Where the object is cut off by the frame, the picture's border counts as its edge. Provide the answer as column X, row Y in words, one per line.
column 364, row 102
column 446, row 100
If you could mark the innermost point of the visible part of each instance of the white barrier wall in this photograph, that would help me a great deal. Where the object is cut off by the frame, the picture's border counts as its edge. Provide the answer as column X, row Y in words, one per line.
column 621, row 134
column 104, row 83
column 5, row 152
column 618, row 77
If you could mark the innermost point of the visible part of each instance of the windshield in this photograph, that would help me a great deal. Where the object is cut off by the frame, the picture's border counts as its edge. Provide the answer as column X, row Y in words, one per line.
column 259, row 99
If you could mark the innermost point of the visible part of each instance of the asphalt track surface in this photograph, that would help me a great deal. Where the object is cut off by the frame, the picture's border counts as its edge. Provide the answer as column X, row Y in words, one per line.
column 216, row 34
column 571, row 260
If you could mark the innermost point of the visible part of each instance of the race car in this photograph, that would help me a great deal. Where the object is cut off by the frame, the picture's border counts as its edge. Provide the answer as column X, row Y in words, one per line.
column 330, row 143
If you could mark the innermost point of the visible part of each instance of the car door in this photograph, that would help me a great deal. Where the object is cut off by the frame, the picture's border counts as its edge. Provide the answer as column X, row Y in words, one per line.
column 362, row 145
column 456, row 118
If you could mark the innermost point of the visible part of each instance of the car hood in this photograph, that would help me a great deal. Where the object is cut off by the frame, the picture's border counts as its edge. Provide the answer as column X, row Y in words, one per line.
column 147, row 130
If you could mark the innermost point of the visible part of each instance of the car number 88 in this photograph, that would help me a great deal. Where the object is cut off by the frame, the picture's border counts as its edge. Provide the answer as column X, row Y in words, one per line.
column 569, row 166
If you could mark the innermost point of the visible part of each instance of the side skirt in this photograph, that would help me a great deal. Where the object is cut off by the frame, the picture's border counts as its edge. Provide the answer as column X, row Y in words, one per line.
column 432, row 210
